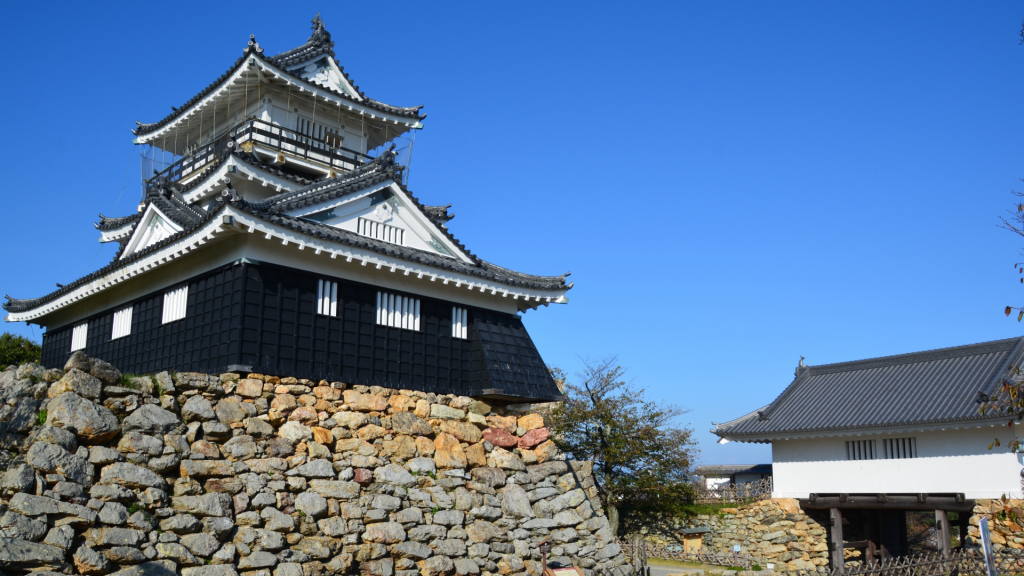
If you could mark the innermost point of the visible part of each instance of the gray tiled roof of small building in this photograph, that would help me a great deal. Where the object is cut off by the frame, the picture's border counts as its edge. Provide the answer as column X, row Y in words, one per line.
column 921, row 388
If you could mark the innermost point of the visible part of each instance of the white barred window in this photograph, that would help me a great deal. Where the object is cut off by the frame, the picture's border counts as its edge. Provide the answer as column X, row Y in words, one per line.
column 398, row 311
column 900, row 447
column 122, row 325
column 380, row 231
column 175, row 304
column 460, row 322
column 78, row 335
column 326, row 298
column 861, row 450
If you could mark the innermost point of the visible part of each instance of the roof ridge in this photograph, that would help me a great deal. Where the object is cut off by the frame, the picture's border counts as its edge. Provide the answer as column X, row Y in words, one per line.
column 916, row 357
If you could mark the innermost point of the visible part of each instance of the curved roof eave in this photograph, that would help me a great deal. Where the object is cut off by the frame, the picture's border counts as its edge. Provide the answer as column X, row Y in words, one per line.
column 408, row 116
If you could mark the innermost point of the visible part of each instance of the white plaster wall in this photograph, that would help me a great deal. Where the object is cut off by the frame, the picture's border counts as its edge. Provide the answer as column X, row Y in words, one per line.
column 948, row 461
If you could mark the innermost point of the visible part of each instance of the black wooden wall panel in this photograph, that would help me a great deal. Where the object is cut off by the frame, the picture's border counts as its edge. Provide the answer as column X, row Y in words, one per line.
column 204, row 340
column 264, row 317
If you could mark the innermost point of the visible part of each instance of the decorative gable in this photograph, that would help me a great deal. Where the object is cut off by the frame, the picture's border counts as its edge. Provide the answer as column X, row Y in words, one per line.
column 385, row 212
column 326, row 73
column 153, row 227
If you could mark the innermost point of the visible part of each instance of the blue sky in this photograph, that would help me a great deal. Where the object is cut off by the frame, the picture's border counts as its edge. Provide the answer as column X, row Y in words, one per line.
column 732, row 184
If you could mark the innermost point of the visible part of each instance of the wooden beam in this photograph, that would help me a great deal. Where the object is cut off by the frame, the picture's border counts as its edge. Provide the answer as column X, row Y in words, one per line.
column 942, row 528
column 836, row 536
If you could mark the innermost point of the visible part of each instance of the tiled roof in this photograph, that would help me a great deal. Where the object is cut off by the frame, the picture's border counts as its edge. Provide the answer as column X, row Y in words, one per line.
column 106, row 223
column 315, row 46
column 192, row 218
column 944, row 386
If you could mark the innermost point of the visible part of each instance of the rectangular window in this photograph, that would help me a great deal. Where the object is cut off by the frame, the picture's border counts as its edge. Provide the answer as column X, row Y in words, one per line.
column 175, row 304
column 398, row 311
column 122, row 325
column 860, row 450
column 900, row 447
column 326, row 298
column 379, row 231
column 78, row 335
column 460, row 322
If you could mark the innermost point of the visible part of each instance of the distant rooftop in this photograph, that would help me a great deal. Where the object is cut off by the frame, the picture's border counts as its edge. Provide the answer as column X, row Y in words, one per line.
column 931, row 388
column 724, row 470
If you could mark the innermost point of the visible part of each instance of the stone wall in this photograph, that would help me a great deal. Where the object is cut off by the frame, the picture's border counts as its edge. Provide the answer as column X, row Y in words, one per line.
column 1006, row 523
column 773, row 531
column 218, row 475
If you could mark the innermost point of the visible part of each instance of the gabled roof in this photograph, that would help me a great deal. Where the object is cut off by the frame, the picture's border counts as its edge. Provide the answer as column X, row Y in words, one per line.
column 319, row 43
column 934, row 388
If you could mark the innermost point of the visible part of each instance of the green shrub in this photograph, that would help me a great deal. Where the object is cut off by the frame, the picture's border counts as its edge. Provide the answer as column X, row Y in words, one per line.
column 18, row 350
column 41, row 417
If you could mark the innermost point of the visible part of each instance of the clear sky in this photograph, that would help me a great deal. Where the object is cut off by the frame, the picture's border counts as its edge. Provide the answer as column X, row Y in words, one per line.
column 732, row 184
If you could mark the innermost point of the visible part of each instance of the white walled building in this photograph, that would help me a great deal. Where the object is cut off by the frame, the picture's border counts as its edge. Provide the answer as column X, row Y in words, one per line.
column 872, row 439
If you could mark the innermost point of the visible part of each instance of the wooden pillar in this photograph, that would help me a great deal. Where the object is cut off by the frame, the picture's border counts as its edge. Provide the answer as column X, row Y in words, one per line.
column 871, row 552
column 836, row 536
column 963, row 519
column 942, row 528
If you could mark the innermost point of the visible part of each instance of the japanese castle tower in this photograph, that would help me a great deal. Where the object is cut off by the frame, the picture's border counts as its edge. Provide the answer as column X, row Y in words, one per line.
column 281, row 239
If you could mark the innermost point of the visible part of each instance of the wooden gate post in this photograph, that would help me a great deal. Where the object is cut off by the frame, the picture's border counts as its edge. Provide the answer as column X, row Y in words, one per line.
column 942, row 527
column 836, row 533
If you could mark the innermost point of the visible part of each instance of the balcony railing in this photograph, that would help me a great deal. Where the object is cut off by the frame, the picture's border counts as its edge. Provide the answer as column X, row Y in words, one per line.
column 288, row 143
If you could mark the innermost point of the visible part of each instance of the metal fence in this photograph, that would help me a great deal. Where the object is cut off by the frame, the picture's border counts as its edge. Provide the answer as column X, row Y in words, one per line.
column 739, row 493
column 964, row 562
column 961, row 562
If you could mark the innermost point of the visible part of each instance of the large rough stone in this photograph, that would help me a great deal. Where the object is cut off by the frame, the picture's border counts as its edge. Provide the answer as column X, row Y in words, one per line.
column 335, row 488
column 128, row 474
column 394, row 474
column 14, row 525
column 448, row 452
column 409, row 423
column 15, row 552
column 89, row 561
column 319, row 468
column 534, row 437
column 91, row 422
column 19, row 478
column 216, row 504
column 201, row 544
column 294, row 432
column 212, row 570
column 151, row 418
column 76, row 381
column 384, row 532
column 105, row 371
column 230, row 411
column 447, row 412
column 197, row 408
column 501, row 458
column 515, row 502
column 500, row 437
column 464, row 431
column 311, row 504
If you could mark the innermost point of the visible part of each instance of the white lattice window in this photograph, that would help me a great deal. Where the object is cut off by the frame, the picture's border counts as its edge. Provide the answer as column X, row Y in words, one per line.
column 861, row 450
column 78, row 336
column 900, row 447
column 326, row 298
column 122, row 325
column 460, row 322
column 175, row 304
column 381, row 231
column 398, row 311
